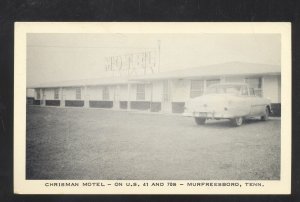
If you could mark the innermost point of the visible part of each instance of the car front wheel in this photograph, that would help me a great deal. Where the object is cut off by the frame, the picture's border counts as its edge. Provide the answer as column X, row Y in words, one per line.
column 238, row 121
column 200, row 121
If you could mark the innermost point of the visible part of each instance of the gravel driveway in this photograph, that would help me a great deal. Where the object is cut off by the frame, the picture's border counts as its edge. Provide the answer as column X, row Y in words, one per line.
column 70, row 143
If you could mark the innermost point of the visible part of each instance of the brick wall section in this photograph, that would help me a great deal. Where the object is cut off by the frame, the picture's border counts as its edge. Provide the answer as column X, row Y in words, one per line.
column 74, row 103
column 101, row 104
column 53, row 102
column 36, row 102
column 29, row 100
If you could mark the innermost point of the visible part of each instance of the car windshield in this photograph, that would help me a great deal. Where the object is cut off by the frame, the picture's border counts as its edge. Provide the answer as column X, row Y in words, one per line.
column 224, row 89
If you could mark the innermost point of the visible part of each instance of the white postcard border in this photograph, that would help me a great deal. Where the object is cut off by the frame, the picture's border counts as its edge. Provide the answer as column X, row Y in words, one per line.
column 23, row 186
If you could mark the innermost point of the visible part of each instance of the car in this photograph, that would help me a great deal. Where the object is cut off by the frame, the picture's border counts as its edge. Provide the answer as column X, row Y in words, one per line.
column 233, row 101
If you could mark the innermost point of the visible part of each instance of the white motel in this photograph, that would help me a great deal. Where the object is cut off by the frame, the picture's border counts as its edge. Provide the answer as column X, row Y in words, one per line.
column 164, row 92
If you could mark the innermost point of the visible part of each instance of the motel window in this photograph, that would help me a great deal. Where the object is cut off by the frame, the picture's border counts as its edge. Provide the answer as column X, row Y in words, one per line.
column 212, row 81
column 197, row 88
column 140, row 92
column 255, row 84
column 78, row 93
column 165, row 91
column 56, row 93
column 105, row 94
column 38, row 94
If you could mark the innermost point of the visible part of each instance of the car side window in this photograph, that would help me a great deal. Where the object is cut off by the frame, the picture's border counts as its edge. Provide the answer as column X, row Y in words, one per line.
column 244, row 91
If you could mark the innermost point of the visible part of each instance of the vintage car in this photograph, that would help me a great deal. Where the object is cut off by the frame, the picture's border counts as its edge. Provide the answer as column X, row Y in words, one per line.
column 233, row 101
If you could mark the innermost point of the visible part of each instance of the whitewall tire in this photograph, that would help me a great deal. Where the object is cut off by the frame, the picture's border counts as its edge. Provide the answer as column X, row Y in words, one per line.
column 238, row 121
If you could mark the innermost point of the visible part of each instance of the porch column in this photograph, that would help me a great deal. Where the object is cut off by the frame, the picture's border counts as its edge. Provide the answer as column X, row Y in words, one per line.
column 86, row 97
column 116, row 101
column 43, row 97
column 62, row 99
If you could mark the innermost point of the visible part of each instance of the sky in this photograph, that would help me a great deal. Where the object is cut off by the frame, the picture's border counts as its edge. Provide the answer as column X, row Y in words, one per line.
column 62, row 57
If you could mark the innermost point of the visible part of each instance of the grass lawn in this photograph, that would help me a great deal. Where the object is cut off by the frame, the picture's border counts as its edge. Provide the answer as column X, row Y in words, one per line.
column 70, row 143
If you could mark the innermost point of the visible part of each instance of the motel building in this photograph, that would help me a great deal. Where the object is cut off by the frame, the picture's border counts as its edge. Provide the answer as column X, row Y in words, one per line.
column 164, row 92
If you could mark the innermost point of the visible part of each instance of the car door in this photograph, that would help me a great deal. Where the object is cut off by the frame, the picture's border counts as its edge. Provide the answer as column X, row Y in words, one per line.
column 246, row 100
column 257, row 104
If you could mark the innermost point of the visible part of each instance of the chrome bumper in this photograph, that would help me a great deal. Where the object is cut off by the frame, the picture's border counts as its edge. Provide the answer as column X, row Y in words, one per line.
column 209, row 115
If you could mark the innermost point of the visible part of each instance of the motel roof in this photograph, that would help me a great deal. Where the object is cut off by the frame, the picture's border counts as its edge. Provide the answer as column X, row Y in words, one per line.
column 224, row 69
column 84, row 82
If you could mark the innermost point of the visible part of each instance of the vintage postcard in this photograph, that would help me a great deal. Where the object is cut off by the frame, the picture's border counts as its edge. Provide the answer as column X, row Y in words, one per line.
column 152, row 108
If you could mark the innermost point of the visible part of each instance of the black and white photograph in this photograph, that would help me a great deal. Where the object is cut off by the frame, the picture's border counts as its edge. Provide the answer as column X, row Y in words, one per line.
column 155, row 106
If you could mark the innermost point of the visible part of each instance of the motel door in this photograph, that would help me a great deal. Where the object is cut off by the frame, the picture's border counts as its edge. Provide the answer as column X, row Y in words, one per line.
column 117, row 97
column 166, row 98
